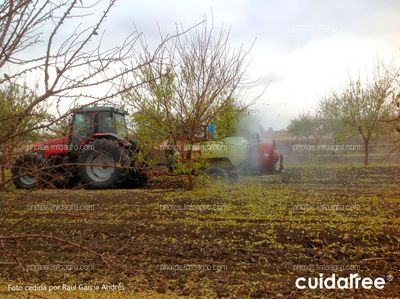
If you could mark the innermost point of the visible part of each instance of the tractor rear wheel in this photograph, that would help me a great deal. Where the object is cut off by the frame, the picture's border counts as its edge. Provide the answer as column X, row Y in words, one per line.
column 104, row 165
column 26, row 171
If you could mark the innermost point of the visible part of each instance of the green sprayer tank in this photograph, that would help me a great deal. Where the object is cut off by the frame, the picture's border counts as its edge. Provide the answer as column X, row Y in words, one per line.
column 233, row 149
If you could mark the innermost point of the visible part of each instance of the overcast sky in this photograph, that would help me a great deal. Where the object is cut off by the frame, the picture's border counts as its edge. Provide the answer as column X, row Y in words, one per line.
column 303, row 49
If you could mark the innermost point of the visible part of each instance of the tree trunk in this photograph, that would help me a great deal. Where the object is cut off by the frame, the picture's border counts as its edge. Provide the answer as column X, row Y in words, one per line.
column 190, row 182
column 366, row 148
column 190, row 174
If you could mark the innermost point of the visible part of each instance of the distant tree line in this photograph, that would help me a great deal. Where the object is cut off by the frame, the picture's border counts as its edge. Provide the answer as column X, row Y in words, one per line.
column 364, row 108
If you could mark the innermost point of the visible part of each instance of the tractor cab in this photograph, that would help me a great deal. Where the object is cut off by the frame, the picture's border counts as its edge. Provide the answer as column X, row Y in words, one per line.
column 94, row 122
column 86, row 124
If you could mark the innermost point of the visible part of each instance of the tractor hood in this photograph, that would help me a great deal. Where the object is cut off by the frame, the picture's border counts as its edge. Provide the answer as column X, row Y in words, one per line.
column 51, row 147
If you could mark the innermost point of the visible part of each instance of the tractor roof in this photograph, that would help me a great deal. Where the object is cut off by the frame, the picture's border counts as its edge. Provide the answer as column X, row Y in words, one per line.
column 100, row 108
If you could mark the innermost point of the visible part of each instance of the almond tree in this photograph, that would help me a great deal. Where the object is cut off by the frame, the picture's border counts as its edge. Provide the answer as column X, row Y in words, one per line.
column 393, row 117
column 197, row 76
column 362, row 105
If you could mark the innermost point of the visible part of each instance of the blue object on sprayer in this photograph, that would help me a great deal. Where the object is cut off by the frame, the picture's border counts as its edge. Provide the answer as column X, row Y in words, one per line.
column 212, row 129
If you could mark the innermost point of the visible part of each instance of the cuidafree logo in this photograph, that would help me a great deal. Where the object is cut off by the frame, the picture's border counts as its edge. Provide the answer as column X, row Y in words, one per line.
column 354, row 281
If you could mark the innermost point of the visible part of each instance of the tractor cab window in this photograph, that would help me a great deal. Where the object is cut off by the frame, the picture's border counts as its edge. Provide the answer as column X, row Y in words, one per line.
column 106, row 122
column 120, row 125
column 83, row 125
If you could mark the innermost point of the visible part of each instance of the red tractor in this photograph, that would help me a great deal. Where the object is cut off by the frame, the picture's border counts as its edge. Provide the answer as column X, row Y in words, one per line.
column 96, row 152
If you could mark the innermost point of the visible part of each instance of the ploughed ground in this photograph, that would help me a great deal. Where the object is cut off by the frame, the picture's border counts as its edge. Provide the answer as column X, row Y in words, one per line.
column 249, row 239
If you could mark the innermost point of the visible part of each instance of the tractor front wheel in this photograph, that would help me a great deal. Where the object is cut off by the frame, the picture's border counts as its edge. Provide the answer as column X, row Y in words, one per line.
column 27, row 170
column 104, row 165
